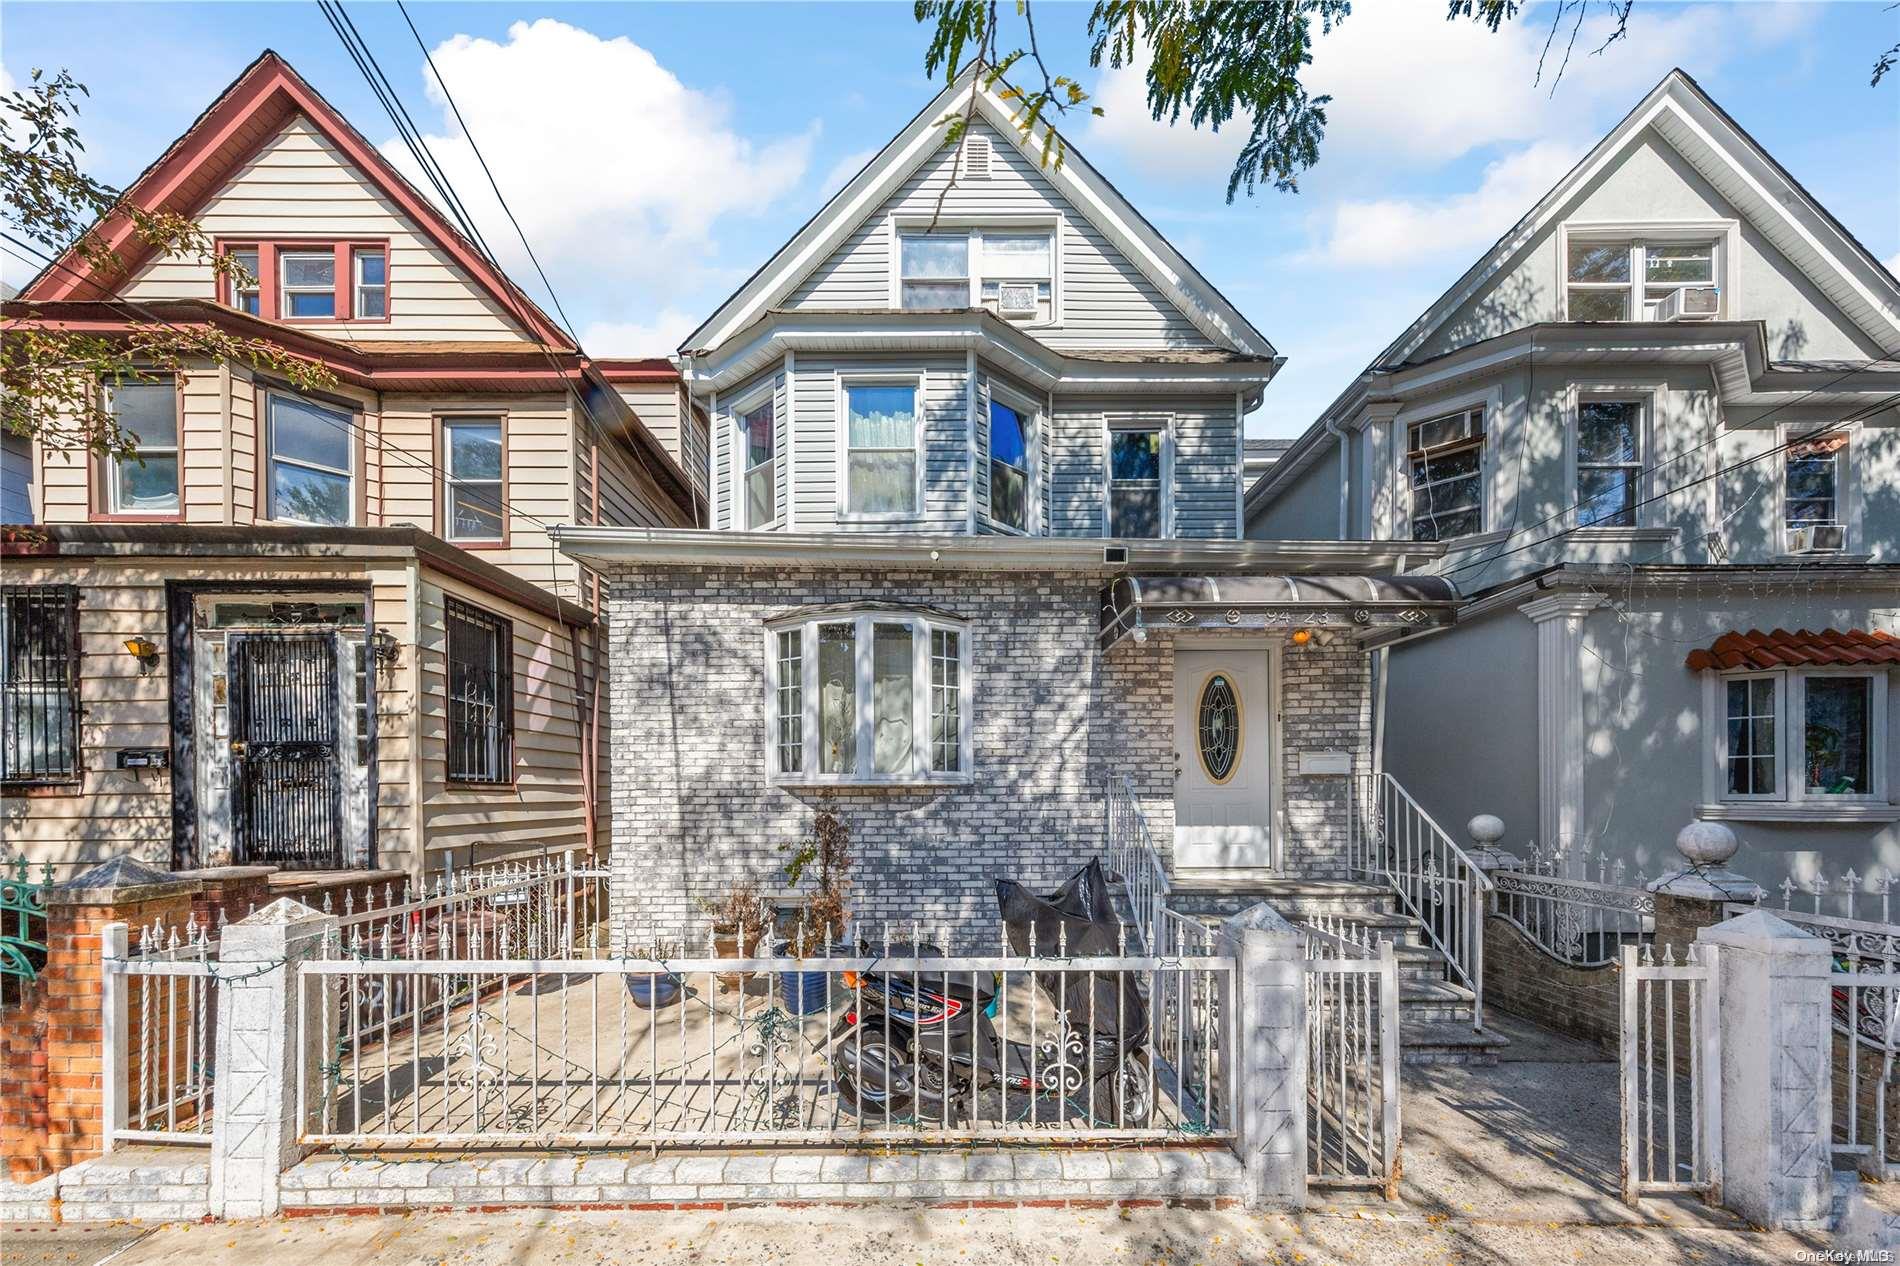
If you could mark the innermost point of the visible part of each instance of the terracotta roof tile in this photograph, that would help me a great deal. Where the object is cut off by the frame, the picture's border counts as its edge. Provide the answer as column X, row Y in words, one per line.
column 1830, row 648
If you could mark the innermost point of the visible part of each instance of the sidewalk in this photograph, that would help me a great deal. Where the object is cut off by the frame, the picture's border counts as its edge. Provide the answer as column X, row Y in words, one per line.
column 905, row 1237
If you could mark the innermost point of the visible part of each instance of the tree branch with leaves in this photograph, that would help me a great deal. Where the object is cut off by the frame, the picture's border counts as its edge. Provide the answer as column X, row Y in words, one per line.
column 52, row 377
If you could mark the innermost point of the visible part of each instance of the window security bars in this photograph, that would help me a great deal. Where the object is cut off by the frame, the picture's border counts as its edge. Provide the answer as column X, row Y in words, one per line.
column 481, row 695
column 39, row 684
column 675, row 1045
column 1671, row 1079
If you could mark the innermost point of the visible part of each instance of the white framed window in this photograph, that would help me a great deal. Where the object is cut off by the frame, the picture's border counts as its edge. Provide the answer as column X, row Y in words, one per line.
column 1620, row 278
column 310, row 459
column 869, row 696
column 934, row 269
column 1816, row 474
column 146, row 482
column 1007, row 267
column 1444, row 459
column 245, row 297
column 1609, row 443
column 1139, row 478
column 882, row 429
column 1799, row 741
column 308, row 283
column 473, row 451
column 1013, row 446
column 370, row 288
column 757, row 439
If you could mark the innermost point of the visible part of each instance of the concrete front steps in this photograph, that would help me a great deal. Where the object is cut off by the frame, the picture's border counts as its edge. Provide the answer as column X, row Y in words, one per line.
column 1434, row 1012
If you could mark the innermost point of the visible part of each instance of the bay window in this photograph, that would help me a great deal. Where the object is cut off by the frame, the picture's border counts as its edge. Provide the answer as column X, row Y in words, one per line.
column 869, row 697
column 472, row 450
column 1010, row 480
column 1445, row 460
column 309, row 452
column 1137, row 479
column 1609, row 447
column 146, row 481
column 1801, row 740
column 881, row 463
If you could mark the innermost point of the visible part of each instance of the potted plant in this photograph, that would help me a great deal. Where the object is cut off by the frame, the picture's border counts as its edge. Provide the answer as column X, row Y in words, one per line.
column 657, row 987
column 819, row 922
column 741, row 922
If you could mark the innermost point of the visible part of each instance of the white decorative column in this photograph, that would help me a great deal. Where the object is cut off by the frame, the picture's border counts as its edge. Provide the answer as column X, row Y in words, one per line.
column 1559, row 619
column 1270, row 1061
column 1777, row 1071
column 1379, row 466
column 262, row 1072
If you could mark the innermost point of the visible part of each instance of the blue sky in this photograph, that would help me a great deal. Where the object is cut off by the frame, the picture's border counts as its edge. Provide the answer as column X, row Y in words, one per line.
column 657, row 153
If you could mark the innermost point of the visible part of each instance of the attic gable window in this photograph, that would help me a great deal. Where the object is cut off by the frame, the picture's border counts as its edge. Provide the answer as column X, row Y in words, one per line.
column 935, row 270
column 304, row 280
column 1634, row 280
column 1008, row 270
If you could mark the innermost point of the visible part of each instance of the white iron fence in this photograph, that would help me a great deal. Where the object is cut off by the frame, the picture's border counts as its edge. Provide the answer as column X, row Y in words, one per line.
column 1391, row 838
column 890, row 1041
column 1578, row 922
column 1352, row 1063
column 158, row 1034
column 1866, row 1008
column 1671, row 1061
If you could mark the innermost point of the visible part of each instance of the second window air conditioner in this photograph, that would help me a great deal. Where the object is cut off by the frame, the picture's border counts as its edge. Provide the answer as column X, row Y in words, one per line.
column 1817, row 538
column 1016, row 298
column 1691, row 303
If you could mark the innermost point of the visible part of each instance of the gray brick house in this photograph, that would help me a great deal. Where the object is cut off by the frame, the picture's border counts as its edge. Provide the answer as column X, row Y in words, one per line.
column 975, row 556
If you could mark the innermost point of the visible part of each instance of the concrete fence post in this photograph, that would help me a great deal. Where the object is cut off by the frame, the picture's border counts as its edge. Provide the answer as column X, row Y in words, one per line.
column 1776, row 1069
column 263, row 1074
column 1269, row 1009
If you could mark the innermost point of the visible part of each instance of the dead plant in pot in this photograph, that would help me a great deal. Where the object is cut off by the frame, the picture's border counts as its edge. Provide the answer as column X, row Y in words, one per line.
column 741, row 924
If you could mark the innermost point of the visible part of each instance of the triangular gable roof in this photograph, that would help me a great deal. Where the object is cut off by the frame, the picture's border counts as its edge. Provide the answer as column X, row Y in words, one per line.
column 1090, row 192
column 245, row 116
column 1737, row 166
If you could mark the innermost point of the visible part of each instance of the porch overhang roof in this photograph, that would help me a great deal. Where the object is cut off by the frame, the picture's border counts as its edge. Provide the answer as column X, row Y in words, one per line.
column 1364, row 605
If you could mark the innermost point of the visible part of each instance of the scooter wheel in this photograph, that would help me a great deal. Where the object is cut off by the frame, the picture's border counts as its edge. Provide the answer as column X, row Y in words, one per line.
column 867, row 1107
column 1124, row 1097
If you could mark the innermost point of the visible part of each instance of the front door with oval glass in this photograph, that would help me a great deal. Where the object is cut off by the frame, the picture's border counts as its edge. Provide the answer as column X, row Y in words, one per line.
column 1223, row 749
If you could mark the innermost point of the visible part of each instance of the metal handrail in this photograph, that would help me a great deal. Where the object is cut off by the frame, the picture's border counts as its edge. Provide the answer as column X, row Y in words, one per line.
column 1392, row 837
column 1132, row 856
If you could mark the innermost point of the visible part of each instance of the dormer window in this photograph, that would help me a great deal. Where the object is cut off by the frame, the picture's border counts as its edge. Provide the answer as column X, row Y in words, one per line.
column 1624, row 280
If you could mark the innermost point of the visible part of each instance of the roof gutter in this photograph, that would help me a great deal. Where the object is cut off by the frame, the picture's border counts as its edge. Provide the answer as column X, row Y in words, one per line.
column 956, row 552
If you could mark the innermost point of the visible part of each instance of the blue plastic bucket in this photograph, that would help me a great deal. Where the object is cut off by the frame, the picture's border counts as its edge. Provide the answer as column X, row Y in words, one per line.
column 803, row 992
column 652, row 991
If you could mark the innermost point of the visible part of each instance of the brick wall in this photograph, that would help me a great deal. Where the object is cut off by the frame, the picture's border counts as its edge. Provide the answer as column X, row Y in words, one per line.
column 1052, row 720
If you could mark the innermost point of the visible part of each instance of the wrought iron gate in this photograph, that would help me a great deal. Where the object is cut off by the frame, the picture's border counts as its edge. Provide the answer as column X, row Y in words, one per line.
column 287, row 807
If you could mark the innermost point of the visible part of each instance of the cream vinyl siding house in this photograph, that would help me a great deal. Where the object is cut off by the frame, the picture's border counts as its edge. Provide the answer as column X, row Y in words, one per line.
column 382, row 547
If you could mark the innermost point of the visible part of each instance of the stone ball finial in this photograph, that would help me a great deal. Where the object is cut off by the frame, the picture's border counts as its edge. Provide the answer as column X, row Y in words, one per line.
column 1706, row 844
column 1485, row 830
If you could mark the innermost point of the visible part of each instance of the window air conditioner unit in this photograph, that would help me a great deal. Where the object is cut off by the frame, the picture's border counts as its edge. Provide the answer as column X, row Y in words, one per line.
column 1691, row 303
column 1016, row 298
column 1817, row 538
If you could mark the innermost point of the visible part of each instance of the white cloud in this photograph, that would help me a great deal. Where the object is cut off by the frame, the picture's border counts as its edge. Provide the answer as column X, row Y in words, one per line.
column 617, row 171
column 1410, row 230
column 1410, row 87
column 655, row 337
column 843, row 170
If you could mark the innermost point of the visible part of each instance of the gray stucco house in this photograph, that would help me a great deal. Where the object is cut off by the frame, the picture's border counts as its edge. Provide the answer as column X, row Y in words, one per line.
column 976, row 558
column 1651, row 427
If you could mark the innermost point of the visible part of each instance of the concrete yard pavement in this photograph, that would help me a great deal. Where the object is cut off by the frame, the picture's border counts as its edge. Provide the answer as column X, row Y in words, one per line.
column 872, row 1236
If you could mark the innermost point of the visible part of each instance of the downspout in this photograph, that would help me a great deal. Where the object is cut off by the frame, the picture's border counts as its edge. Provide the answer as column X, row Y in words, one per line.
column 590, row 784
column 1345, row 478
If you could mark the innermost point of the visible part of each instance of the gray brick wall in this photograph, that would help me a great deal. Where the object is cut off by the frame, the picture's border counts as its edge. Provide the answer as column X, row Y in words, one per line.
column 694, row 808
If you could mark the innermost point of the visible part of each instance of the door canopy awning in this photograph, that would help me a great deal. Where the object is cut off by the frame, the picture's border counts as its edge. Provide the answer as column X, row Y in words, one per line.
column 1131, row 605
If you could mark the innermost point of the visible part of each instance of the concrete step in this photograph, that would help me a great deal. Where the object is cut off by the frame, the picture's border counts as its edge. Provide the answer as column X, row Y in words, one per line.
column 1424, row 1041
column 1228, row 892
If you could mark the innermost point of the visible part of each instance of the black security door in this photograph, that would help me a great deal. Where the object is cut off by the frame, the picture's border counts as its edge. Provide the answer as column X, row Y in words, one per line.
column 284, row 723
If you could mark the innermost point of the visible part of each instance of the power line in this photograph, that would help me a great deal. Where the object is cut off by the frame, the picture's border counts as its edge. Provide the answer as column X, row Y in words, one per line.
column 1867, row 412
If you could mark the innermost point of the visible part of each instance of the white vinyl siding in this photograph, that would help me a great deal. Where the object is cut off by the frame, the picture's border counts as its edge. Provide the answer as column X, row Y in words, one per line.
column 1105, row 301
column 1205, row 435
